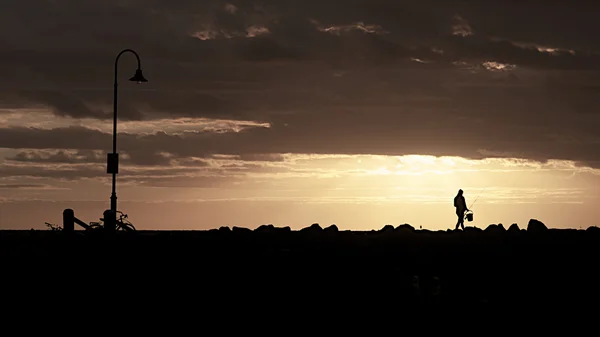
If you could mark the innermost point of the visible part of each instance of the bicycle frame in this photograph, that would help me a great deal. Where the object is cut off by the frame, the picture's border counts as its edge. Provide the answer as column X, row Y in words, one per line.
column 123, row 223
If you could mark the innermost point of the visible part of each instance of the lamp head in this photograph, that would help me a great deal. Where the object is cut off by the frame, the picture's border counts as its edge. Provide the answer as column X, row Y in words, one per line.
column 138, row 77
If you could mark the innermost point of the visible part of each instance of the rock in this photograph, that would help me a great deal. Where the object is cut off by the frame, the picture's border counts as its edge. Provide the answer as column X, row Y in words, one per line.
column 536, row 226
column 514, row 228
column 387, row 228
column 493, row 228
column 313, row 228
column 333, row 229
column 224, row 229
column 236, row 229
column 405, row 228
column 593, row 229
column 272, row 229
column 265, row 229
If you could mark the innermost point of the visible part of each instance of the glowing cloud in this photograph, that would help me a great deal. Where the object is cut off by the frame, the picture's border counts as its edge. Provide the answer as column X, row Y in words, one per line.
column 497, row 66
column 461, row 27
column 360, row 26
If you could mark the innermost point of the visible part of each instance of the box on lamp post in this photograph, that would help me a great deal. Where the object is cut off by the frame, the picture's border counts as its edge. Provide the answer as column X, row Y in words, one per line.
column 112, row 163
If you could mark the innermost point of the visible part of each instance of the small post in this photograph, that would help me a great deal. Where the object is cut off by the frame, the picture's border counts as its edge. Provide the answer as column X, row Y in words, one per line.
column 109, row 221
column 68, row 220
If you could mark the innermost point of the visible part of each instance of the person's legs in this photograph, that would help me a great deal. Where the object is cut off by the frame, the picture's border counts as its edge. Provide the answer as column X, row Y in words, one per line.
column 461, row 220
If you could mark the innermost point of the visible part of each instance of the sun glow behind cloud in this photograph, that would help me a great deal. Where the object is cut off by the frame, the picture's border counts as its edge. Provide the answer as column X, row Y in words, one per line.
column 296, row 179
column 383, row 187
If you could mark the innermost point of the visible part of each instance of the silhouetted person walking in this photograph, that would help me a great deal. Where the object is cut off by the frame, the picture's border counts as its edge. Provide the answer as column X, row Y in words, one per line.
column 461, row 207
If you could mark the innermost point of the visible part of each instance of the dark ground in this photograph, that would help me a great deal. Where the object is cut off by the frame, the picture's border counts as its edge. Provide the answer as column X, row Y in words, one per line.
column 326, row 270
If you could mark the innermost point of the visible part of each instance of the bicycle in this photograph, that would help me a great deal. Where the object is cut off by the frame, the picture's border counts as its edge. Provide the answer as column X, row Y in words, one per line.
column 123, row 224
column 53, row 227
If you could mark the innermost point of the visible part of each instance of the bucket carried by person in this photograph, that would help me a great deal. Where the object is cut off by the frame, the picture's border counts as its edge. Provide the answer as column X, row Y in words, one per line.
column 469, row 216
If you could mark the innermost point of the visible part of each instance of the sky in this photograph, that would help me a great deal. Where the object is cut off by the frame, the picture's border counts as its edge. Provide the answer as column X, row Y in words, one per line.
column 289, row 112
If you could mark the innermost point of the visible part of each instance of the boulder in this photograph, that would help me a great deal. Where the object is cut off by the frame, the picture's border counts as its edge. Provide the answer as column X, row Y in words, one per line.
column 493, row 228
column 387, row 229
column 265, row 229
column 473, row 229
column 331, row 229
column 313, row 228
column 536, row 226
column 593, row 229
column 236, row 229
column 405, row 228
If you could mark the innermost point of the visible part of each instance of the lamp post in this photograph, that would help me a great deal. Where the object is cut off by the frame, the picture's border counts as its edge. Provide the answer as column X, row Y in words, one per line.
column 113, row 158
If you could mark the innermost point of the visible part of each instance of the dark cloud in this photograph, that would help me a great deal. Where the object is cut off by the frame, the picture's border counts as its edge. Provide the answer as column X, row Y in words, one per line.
column 483, row 49
column 70, row 173
column 556, row 23
column 171, row 170
column 515, row 130
column 80, row 171
column 266, row 49
column 269, row 157
column 183, row 181
column 362, row 77
column 148, row 157
column 58, row 157
column 64, row 104
column 191, row 162
column 22, row 186
column 80, row 138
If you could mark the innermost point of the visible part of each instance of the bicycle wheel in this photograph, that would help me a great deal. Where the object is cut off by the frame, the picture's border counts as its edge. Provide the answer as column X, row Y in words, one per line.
column 126, row 227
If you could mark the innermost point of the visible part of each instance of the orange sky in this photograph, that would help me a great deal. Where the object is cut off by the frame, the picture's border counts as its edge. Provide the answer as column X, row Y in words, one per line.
column 355, row 192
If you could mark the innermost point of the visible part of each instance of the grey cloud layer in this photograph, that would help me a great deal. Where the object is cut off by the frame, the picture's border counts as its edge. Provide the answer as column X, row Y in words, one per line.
column 331, row 77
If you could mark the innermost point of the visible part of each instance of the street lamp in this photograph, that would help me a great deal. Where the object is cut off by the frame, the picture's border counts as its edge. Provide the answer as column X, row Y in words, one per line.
column 113, row 158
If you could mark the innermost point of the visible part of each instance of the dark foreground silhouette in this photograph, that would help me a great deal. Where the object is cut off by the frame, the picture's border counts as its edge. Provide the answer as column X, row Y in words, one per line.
column 322, row 269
